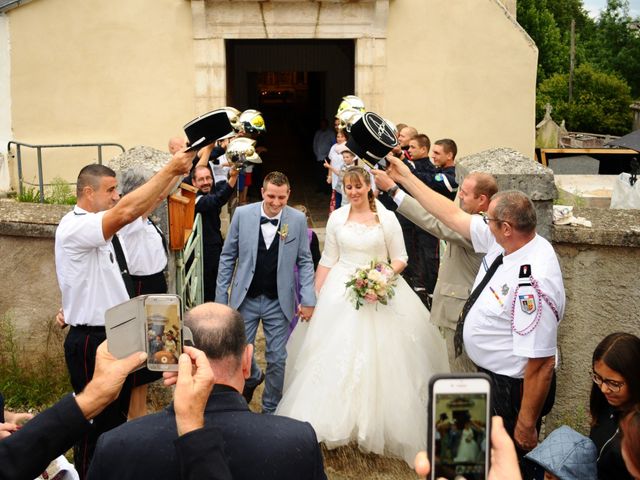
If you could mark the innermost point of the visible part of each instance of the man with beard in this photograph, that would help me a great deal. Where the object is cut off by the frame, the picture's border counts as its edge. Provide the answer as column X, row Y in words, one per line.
column 209, row 203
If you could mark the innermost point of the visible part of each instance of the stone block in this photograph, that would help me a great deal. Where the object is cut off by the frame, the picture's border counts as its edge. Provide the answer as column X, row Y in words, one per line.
column 575, row 165
column 198, row 19
column 514, row 171
column 234, row 19
column 209, row 52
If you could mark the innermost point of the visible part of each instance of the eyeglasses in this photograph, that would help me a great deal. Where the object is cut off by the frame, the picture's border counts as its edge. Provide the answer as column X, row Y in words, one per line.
column 611, row 384
column 487, row 219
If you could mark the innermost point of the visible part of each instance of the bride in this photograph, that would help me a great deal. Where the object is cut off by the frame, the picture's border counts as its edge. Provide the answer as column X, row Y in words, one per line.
column 362, row 375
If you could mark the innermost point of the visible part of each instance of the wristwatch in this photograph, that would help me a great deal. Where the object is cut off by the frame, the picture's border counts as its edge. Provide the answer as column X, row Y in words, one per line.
column 392, row 191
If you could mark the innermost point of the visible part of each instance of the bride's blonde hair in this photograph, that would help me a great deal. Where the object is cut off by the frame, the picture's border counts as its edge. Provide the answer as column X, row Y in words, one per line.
column 359, row 173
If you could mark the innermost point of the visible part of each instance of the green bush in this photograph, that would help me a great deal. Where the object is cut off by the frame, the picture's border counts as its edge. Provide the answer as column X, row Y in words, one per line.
column 58, row 192
column 29, row 195
column 600, row 101
column 34, row 379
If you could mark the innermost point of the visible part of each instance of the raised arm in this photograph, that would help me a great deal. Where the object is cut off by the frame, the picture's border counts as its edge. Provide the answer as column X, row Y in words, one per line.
column 439, row 206
column 140, row 201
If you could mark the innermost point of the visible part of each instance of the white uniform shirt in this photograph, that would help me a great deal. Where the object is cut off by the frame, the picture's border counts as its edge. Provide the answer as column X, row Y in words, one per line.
column 87, row 269
column 221, row 170
column 145, row 250
column 269, row 230
column 491, row 340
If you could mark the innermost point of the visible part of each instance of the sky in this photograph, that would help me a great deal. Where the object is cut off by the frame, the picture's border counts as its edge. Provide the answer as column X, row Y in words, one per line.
column 594, row 7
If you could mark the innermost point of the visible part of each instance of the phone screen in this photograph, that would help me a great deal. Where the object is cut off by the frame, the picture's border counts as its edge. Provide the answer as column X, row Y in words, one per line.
column 460, row 431
column 164, row 332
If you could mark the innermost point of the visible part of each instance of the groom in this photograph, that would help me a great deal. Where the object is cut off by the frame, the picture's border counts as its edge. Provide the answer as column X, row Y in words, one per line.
column 267, row 239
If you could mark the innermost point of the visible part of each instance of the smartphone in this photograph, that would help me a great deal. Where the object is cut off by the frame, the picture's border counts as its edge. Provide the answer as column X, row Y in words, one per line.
column 164, row 332
column 459, row 426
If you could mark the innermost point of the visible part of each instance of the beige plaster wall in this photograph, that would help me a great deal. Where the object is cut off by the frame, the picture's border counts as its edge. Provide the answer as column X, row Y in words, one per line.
column 84, row 71
column 461, row 69
column 131, row 72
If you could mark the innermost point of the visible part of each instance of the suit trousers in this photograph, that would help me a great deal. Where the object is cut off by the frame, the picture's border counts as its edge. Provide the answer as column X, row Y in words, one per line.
column 211, row 260
column 276, row 332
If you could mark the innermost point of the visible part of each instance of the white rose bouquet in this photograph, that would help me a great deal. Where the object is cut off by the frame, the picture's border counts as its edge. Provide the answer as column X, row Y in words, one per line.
column 373, row 284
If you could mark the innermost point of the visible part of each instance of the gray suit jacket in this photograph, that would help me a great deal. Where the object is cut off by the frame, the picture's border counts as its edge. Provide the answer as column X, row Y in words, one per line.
column 458, row 269
column 241, row 247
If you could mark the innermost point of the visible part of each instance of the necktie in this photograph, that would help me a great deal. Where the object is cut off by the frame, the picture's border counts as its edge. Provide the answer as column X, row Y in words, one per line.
column 457, row 338
column 122, row 263
column 272, row 221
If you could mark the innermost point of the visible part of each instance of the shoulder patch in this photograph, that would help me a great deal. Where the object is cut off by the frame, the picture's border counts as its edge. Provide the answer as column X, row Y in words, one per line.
column 525, row 271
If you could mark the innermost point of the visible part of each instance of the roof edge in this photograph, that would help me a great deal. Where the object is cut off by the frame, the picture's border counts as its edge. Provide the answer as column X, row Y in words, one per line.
column 6, row 5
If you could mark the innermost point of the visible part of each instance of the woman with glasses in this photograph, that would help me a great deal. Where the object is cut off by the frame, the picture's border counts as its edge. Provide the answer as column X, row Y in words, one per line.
column 615, row 390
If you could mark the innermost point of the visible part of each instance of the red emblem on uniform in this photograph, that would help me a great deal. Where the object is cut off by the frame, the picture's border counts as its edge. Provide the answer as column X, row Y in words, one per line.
column 527, row 303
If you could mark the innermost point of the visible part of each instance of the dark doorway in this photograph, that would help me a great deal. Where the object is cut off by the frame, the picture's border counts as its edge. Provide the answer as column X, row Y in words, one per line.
column 294, row 83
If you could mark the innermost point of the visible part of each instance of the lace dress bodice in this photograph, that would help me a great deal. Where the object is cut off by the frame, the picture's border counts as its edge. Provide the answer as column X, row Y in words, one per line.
column 351, row 243
column 359, row 244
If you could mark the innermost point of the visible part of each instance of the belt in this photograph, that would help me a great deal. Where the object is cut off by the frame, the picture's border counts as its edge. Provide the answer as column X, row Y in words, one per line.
column 88, row 328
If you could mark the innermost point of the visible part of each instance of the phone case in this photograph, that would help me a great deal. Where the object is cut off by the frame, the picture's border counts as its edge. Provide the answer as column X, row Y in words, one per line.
column 430, row 422
column 126, row 328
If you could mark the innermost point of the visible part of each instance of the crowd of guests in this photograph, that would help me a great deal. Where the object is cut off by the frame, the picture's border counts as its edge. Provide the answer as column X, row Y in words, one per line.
column 334, row 372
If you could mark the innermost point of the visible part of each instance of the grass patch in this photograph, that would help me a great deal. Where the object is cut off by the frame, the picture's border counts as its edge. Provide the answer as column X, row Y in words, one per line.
column 33, row 379
column 58, row 192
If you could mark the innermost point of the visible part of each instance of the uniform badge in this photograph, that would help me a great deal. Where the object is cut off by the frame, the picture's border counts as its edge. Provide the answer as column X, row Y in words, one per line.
column 438, row 177
column 527, row 303
column 505, row 290
column 525, row 271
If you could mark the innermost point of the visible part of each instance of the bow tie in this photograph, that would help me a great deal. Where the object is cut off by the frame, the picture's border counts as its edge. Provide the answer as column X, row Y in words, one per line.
column 272, row 221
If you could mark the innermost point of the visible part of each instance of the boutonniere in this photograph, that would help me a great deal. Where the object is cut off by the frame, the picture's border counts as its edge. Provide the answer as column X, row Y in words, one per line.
column 284, row 231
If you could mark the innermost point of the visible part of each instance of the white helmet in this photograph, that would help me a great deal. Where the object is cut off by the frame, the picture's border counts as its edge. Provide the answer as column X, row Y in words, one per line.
column 348, row 117
column 242, row 146
column 234, row 117
column 351, row 102
column 251, row 121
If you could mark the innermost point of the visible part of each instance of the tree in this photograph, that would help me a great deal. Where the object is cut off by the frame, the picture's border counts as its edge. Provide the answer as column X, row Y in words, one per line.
column 600, row 101
column 536, row 18
column 615, row 47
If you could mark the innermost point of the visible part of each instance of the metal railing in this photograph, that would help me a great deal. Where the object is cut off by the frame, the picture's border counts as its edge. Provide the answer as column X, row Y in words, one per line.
column 39, row 148
column 189, row 272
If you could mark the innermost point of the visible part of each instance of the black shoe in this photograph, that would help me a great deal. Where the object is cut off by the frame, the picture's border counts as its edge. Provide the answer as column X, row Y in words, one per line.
column 247, row 392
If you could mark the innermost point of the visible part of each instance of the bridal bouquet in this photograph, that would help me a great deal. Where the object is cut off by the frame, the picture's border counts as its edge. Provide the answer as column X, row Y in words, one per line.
column 373, row 284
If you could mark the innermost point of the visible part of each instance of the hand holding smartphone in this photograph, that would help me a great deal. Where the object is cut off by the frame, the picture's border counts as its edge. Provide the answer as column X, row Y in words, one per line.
column 150, row 323
column 164, row 332
column 459, row 426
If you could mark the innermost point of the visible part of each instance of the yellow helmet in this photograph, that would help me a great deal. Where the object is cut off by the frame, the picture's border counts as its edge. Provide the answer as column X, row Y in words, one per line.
column 251, row 121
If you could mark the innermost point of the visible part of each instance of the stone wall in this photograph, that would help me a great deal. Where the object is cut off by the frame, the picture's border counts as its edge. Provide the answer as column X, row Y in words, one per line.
column 29, row 293
column 514, row 171
column 600, row 271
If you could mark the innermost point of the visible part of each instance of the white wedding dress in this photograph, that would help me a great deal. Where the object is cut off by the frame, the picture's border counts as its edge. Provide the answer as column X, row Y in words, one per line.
column 363, row 375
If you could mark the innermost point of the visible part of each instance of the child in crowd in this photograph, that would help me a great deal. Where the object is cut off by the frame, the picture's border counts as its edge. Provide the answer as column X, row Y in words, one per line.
column 335, row 163
column 349, row 159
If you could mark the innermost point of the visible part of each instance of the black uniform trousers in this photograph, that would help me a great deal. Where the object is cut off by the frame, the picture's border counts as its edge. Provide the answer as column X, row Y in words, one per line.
column 506, row 399
column 80, row 348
